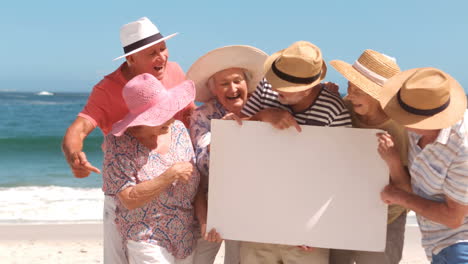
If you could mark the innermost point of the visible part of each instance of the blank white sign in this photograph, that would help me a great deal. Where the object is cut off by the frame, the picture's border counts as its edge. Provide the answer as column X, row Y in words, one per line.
column 320, row 187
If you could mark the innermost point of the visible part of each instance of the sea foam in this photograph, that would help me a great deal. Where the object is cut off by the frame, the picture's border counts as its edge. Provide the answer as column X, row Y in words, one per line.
column 37, row 204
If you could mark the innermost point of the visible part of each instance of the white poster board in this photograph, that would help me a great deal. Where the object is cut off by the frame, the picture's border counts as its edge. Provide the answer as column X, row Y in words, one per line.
column 320, row 187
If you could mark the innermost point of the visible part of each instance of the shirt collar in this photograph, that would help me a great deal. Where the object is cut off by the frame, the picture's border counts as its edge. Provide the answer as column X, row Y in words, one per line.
column 442, row 138
column 444, row 135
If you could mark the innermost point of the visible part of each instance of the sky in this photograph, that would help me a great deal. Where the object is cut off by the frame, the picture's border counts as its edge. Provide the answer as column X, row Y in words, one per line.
column 68, row 46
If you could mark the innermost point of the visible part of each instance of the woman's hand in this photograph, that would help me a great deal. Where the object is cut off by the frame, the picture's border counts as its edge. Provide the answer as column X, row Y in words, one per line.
column 181, row 172
column 306, row 248
column 211, row 236
column 388, row 150
column 232, row 116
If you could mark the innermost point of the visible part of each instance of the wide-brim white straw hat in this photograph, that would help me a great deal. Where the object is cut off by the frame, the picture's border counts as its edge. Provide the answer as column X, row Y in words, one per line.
column 139, row 35
column 245, row 57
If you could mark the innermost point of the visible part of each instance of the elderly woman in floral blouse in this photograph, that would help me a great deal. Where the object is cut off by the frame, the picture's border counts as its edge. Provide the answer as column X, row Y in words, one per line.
column 148, row 168
column 223, row 77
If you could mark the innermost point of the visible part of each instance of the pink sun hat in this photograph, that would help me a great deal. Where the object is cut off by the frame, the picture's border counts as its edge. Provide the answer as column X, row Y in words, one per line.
column 150, row 103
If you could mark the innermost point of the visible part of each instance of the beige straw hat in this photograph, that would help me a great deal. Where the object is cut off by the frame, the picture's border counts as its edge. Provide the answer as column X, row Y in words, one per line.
column 237, row 56
column 369, row 72
column 297, row 68
column 424, row 98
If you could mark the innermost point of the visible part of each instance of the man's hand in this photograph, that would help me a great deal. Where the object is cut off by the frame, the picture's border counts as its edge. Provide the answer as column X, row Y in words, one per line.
column 80, row 165
column 72, row 147
column 391, row 194
column 278, row 118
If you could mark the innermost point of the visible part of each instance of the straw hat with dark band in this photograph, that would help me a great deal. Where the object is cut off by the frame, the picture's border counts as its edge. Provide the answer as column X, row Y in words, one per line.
column 424, row 98
column 139, row 35
column 296, row 68
column 369, row 72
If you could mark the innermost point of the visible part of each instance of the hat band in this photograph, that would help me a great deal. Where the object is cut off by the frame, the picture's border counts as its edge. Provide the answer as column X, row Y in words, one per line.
column 142, row 42
column 294, row 79
column 380, row 80
column 421, row 112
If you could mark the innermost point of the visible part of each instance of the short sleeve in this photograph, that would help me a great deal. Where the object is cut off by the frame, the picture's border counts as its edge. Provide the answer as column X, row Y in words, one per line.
column 184, row 144
column 176, row 76
column 456, row 182
column 95, row 108
column 200, row 127
column 119, row 171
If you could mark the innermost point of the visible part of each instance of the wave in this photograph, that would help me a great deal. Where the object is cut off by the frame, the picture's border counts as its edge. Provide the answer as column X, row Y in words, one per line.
column 50, row 204
column 44, row 143
column 31, row 103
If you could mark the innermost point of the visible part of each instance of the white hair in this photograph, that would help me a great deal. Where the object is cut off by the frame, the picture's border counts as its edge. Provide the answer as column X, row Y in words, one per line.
column 210, row 83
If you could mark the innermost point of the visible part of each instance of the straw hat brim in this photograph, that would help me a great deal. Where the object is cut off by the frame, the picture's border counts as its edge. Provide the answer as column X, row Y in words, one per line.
column 285, row 86
column 146, row 46
column 236, row 56
column 448, row 117
column 356, row 78
column 177, row 99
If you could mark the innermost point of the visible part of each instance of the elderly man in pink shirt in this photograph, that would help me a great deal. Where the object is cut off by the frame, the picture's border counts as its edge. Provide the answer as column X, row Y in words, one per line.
column 145, row 51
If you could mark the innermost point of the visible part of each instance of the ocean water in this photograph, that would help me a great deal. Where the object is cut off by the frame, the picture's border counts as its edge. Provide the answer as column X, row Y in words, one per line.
column 36, row 184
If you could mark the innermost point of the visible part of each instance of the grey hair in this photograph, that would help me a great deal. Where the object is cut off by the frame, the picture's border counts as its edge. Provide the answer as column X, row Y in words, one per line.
column 211, row 84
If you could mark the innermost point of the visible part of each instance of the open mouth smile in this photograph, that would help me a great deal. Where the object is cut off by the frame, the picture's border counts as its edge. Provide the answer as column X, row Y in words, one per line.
column 237, row 96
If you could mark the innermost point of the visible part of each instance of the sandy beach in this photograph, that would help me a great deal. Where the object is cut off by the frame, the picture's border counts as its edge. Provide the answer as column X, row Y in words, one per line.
column 82, row 243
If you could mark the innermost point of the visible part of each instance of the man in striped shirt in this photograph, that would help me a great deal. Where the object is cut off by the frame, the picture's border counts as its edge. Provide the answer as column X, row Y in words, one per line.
column 432, row 107
column 293, row 96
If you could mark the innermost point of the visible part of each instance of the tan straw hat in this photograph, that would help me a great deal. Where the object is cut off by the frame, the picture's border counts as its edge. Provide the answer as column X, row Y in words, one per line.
column 296, row 68
column 424, row 98
column 369, row 72
column 245, row 57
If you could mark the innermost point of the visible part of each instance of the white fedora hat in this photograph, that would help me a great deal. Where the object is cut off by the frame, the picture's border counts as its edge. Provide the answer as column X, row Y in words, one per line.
column 245, row 57
column 139, row 35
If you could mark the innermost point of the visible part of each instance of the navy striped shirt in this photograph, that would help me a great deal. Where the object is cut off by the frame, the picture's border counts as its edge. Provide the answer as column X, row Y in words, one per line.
column 328, row 109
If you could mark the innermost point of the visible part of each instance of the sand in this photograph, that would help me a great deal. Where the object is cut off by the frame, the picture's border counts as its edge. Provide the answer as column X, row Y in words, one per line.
column 82, row 243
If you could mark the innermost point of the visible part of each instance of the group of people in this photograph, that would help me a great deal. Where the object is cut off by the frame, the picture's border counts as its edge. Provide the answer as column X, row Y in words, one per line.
column 157, row 145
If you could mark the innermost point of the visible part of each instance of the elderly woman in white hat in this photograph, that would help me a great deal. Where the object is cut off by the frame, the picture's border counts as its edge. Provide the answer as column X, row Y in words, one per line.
column 148, row 170
column 365, row 79
column 432, row 106
column 224, row 77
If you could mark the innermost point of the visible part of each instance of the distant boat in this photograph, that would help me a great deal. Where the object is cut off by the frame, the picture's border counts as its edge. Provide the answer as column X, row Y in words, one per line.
column 45, row 93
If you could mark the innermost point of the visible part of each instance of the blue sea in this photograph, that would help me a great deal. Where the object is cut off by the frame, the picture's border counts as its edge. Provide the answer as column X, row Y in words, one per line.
column 36, row 184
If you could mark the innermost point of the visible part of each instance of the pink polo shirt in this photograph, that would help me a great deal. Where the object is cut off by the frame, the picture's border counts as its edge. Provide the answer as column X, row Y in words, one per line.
column 106, row 105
